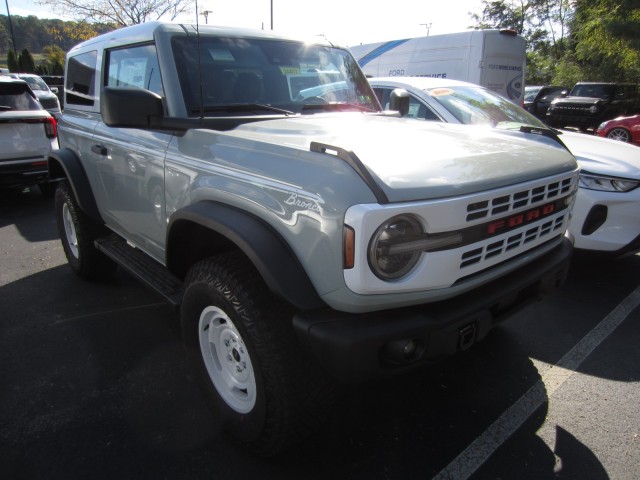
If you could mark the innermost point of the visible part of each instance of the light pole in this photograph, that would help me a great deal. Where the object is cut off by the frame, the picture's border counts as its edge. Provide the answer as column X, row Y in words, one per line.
column 13, row 39
column 271, row 14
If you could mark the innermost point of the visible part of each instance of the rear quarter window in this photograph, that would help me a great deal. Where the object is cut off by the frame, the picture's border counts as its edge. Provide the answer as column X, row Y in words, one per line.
column 80, row 83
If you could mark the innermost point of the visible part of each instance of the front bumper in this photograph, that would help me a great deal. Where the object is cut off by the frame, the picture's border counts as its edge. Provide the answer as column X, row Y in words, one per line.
column 606, row 221
column 357, row 347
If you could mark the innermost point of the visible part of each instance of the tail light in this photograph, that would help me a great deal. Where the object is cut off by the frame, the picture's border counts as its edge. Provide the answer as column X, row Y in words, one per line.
column 51, row 127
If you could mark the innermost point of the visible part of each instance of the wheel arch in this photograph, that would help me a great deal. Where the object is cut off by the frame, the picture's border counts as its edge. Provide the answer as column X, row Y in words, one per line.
column 65, row 164
column 208, row 228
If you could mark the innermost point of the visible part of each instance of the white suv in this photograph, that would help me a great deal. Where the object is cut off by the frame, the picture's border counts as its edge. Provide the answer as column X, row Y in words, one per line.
column 28, row 134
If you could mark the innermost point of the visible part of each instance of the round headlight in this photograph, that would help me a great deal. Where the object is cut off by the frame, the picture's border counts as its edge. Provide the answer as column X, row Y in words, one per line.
column 393, row 250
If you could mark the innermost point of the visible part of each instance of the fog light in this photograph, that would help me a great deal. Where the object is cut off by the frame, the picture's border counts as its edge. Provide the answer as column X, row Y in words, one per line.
column 403, row 351
column 409, row 349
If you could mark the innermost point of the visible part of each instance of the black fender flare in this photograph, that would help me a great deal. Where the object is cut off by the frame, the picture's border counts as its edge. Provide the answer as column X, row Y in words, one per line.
column 266, row 249
column 64, row 163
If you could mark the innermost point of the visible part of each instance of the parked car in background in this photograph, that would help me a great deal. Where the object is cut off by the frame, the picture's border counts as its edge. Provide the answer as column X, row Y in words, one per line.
column 606, row 216
column 538, row 98
column 46, row 96
column 624, row 129
column 28, row 134
column 588, row 104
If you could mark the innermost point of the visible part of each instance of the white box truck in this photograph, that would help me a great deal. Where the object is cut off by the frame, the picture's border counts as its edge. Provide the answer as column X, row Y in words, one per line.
column 494, row 59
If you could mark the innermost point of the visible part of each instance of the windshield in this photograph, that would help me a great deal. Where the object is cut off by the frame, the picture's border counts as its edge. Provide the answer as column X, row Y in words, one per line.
column 241, row 75
column 478, row 106
column 592, row 90
column 530, row 93
column 35, row 83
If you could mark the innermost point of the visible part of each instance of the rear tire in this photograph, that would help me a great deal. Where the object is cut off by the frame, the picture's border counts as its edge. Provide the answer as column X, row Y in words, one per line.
column 77, row 232
column 240, row 341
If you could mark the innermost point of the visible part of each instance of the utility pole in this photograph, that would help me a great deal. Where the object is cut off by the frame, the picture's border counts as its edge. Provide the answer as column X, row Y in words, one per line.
column 428, row 25
column 13, row 39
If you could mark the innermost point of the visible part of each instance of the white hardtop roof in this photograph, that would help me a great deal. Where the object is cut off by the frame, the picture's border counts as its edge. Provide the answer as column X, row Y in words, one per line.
column 145, row 32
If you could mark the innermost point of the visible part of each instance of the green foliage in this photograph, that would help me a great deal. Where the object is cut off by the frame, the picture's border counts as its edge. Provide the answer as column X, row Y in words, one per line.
column 25, row 62
column 49, row 36
column 12, row 61
column 608, row 39
column 34, row 34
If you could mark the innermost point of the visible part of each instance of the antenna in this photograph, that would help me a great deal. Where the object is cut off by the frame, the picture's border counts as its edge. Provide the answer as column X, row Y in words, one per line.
column 201, row 94
column 428, row 25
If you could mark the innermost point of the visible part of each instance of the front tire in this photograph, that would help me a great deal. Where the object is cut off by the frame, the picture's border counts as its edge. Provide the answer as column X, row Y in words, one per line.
column 77, row 232
column 240, row 341
column 619, row 134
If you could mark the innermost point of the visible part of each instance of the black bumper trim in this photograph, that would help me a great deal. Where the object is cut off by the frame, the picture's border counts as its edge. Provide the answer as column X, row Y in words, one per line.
column 350, row 346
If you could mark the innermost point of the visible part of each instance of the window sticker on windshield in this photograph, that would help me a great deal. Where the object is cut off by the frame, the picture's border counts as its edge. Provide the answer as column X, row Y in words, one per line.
column 441, row 92
column 221, row 55
column 290, row 70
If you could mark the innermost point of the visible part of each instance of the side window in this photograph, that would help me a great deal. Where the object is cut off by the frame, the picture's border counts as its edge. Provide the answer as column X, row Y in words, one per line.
column 80, row 84
column 134, row 67
column 417, row 109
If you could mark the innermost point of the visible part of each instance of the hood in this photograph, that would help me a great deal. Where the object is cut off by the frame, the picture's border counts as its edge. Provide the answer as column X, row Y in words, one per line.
column 603, row 156
column 414, row 160
column 580, row 100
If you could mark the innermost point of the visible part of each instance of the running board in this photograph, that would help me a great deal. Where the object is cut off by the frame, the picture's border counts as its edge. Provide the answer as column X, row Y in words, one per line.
column 142, row 267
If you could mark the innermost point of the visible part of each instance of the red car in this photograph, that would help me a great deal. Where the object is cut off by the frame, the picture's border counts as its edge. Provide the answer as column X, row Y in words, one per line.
column 625, row 129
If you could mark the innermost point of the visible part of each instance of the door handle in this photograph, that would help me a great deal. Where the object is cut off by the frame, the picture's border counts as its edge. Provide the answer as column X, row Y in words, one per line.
column 99, row 149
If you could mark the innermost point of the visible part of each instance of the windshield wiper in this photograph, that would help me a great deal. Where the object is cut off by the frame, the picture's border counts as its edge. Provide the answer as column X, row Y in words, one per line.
column 4, row 108
column 335, row 106
column 242, row 107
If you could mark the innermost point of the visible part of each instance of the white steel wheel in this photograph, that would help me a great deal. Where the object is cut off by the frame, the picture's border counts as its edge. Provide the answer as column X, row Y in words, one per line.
column 78, row 233
column 70, row 230
column 227, row 360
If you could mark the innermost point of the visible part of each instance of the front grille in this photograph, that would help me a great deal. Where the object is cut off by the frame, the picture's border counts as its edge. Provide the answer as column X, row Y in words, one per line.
column 507, row 203
column 477, row 255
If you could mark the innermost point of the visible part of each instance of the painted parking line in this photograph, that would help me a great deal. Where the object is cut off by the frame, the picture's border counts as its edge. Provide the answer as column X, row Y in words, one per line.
column 479, row 451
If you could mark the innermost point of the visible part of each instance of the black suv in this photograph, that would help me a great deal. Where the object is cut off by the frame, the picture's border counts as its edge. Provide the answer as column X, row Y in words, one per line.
column 591, row 103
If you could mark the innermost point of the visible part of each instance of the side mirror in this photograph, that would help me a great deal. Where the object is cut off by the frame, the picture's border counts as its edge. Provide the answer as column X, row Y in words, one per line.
column 54, row 90
column 399, row 101
column 128, row 107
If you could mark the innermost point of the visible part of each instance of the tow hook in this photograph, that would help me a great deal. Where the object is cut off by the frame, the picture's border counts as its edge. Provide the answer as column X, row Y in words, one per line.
column 467, row 336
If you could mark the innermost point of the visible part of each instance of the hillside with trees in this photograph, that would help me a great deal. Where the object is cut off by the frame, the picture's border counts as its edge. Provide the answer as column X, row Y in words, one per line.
column 48, row 40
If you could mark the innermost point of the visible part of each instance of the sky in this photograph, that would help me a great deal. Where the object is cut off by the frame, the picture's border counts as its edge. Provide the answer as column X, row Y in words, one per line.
column 344, row 22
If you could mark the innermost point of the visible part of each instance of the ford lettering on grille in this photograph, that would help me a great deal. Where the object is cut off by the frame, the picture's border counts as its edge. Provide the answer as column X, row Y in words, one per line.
column 520, row 219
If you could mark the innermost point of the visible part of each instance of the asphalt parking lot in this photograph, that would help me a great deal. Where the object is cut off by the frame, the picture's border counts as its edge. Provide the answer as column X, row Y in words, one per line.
column 95, row 385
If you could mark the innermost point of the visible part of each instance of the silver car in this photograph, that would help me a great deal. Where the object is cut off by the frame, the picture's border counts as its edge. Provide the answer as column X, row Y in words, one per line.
column 46, row 96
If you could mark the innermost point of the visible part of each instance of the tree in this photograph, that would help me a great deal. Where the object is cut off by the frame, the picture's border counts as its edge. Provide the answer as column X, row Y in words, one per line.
column 607, row 39
column 119, row 12
column 25, row 62
column 12, row 61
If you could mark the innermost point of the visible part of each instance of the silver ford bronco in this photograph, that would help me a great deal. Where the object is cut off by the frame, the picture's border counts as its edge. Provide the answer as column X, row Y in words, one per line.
column 307, row 237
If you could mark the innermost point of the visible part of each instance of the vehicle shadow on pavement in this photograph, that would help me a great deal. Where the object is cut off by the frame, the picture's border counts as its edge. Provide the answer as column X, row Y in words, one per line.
column 95, row 382
column 30, row 212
